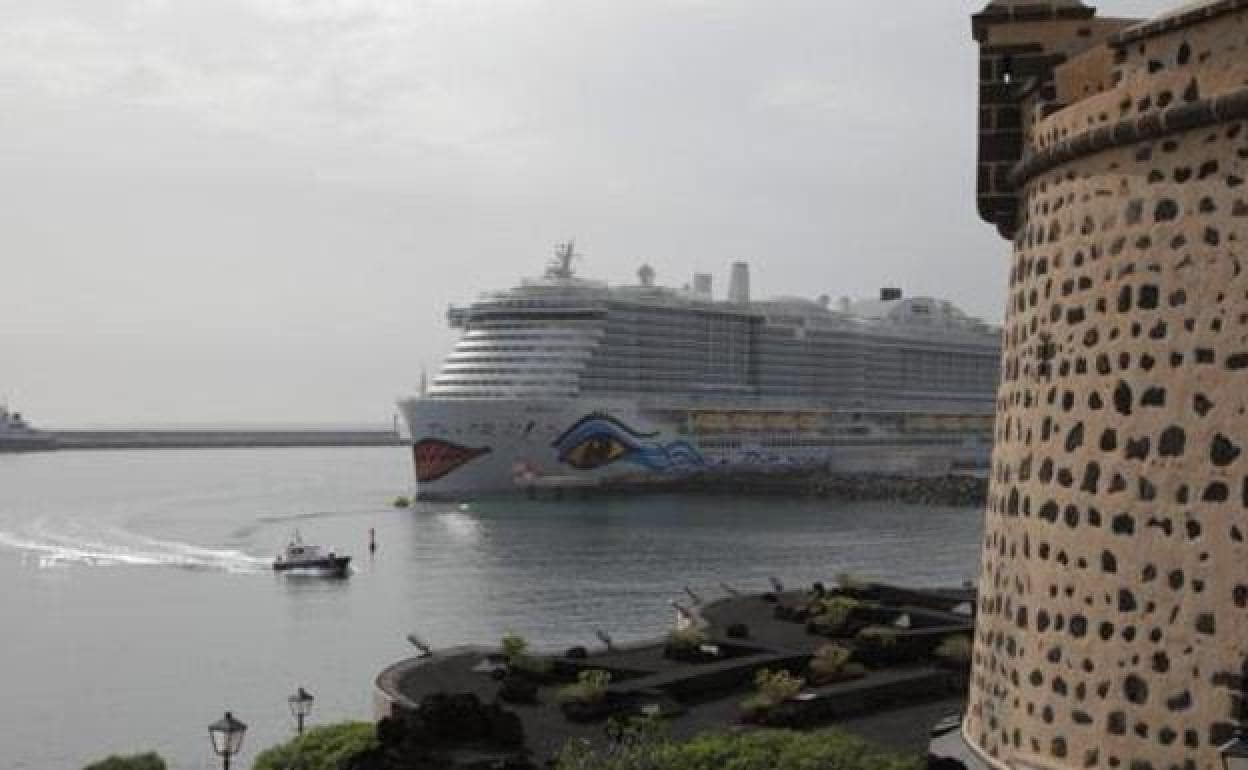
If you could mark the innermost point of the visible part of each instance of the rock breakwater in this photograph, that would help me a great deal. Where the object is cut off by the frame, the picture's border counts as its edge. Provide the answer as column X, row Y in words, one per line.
column 961, row 491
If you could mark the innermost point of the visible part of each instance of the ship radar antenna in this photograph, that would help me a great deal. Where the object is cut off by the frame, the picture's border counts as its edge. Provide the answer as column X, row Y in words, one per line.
column 561, row 265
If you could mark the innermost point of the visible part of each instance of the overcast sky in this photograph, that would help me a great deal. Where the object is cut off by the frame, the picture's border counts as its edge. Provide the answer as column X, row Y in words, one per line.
column 257, row 211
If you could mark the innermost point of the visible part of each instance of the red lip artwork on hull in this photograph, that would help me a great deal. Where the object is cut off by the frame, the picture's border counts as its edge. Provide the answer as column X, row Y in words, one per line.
column 435, row 458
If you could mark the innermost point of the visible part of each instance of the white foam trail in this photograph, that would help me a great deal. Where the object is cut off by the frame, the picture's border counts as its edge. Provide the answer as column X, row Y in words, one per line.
column 60, row 550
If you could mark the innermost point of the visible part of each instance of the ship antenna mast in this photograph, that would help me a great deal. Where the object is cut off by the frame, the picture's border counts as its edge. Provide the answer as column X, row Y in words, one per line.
column 561, row 265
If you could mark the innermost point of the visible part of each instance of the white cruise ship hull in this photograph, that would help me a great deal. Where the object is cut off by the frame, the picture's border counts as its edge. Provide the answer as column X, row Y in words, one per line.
column 467, row 448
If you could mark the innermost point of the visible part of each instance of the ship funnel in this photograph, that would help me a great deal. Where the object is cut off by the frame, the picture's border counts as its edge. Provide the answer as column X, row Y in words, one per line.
column 702, row 285
column 646, row 276
column 739, row 284
column 890, row 294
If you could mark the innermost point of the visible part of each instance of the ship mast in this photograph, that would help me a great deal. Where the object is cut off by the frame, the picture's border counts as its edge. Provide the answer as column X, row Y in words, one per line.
column 561, row 266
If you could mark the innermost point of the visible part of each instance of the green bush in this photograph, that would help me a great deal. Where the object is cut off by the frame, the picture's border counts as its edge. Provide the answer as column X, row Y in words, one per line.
column 778, row 686
column 590, row 687
column 329, row 747
column 515, row 649
column 148, row 761
column 513, row 646
column 832, row 615
column 649, row 749
column 828, row 661
column 636, row 744
column 955, row 650
column 686, row 639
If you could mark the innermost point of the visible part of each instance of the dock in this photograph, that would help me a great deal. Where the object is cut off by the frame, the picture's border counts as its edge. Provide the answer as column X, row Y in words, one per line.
column 221, row 439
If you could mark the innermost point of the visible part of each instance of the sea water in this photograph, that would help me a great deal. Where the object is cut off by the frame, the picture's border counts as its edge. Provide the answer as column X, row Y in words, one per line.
column 137, row 601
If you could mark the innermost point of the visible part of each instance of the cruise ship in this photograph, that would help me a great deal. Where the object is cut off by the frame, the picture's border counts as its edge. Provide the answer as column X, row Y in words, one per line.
column 16, row 435
column 567, row 382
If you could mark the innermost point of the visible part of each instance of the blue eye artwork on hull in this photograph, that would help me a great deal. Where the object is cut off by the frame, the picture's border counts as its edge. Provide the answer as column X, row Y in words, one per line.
column 598, row 440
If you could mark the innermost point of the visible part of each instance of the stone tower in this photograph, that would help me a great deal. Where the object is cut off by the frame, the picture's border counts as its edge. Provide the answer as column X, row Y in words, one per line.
column 1113, row 611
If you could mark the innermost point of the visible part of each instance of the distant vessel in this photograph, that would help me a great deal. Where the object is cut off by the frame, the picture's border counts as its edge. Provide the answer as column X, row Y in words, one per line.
column 298, row 555
column 567, row 382
column 16, row 435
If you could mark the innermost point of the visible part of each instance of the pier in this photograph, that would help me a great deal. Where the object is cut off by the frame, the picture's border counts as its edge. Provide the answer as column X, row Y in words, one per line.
column 221, row 439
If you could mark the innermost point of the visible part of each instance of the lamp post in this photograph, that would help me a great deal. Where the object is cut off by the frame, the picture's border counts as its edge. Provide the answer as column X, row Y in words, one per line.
column 227, row 738
column 300, row 707
column 1235, row 751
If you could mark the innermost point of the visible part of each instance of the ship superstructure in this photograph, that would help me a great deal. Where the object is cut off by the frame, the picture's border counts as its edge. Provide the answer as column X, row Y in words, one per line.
column 17, row 435
column 565, row 380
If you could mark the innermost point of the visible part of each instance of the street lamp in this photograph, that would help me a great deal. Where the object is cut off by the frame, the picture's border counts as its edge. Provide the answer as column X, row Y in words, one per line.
column 1235, row 751
column 227, row 738
column 300, row 706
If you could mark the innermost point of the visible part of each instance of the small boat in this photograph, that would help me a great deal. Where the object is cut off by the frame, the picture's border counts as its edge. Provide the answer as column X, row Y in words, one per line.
column 310, row 557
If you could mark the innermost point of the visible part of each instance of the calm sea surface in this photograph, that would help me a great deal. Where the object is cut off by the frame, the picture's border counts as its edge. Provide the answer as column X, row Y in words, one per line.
column 136, row 603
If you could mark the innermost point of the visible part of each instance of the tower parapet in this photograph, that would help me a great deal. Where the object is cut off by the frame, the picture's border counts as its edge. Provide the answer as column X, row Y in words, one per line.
column 1113, row 612
column 1021, row 45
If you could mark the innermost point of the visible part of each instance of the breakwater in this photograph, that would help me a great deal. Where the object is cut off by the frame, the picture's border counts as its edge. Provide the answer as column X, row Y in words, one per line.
column 220, row 439
column 951, row 490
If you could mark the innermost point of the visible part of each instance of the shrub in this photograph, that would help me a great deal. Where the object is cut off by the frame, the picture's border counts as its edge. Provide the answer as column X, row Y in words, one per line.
column 782, row 750
column 514, row 646
column 954, row 650
column 590, row 687
column 636, row 744
column 686, row 639
column 330, row 747
column 685, row 644
column 648, row 749
column 148, row 761
column 515, row 650
column 774, row 688
column 833, row 615
column 829, row 660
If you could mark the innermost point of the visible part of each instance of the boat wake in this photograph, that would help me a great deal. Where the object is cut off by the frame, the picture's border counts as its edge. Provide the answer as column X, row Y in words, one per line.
column 279, row 518
column 118, row 548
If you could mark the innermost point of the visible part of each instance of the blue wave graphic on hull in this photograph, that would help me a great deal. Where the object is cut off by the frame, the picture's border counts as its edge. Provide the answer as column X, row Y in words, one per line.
column 598, row 440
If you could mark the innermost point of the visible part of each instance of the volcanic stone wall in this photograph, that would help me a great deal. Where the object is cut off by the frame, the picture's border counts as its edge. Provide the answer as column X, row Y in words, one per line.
column 1113, row 618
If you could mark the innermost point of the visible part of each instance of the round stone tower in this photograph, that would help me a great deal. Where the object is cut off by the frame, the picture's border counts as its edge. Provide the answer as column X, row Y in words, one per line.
column 1112, row 623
